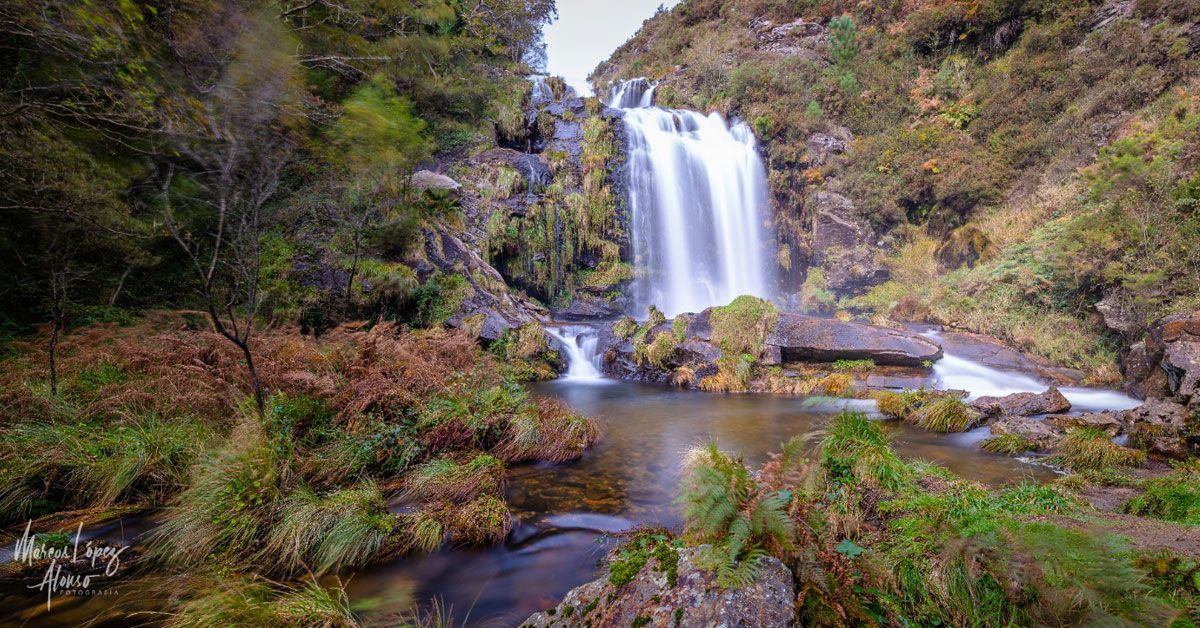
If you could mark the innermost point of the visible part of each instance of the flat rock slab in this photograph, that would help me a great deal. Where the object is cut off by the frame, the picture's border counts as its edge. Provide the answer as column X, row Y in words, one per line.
column 1023, row 404
column 993, row 353
column 804, row 338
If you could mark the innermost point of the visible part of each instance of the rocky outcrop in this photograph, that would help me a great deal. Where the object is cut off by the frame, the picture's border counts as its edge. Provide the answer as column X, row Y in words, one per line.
column 586, row 307
column 693, row 599
column 1166, row 363
column 798, row 38
column 1163, row 428
column 802, row 338
column 1023, row 404
column 822, row 147
column 844, row 245
column 1043, row 434
column 487, row 308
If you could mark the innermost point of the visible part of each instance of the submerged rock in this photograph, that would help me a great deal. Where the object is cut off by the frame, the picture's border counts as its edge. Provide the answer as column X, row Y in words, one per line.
column 1043, row 434
column 694, row 599
column 1023, row 404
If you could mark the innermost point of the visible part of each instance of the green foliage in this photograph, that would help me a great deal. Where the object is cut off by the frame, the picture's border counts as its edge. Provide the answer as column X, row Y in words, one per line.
column 723, row 506
column 439, row 298
column 946, row 414
column 1008, row 444
column 856, row 450
column 1174, row 497
column 858, row 366
column 815, row 295
column 743, row 325
column 378, row 136
column 1090, row 448
column 625, row 328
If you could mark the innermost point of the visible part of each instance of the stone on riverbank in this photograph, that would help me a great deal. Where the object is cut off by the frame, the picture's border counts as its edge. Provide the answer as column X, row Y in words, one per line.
column 694, row 600
column 1023, row 404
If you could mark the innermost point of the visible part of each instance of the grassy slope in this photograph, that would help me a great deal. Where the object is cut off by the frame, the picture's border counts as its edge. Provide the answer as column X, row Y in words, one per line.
column 976, row 132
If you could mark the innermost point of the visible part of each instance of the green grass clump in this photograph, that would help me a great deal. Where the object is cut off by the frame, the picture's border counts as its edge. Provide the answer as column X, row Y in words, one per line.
column 733, row 374
column 1174, row 497
column 743, row 325
column 1090, row 448
column 445, row 478
column 657, row 353
column 855, row 449
column 1008, row 444
column 484, row 520
column 854, row 366
column 342, row 529
column 95, row 464
column 946, row 414
column 900, row 405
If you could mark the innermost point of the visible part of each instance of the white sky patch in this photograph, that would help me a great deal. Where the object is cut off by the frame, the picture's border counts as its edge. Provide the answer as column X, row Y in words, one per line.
column 588, row 31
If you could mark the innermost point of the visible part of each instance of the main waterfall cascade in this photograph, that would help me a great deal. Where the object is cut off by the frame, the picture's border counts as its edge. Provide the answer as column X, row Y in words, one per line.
column 698, row 198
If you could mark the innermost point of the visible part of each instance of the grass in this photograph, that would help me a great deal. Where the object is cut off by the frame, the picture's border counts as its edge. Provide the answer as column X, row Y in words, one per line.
column 900, row 405
column 1092, row 449
column 743, row 325
column 946, row 414
column 733, row 374
column 445, row 478
column 854, row 366
column 625, row 327
column 855, row 449
column 1174, row 497
column 1008, row 444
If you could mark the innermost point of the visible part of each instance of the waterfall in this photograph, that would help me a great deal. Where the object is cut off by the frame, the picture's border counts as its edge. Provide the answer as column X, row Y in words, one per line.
column 698, row 200
column 579, row 343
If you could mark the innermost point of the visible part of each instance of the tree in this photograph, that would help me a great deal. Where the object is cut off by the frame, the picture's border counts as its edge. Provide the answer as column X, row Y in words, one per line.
column 235, row 144
column 377, row 141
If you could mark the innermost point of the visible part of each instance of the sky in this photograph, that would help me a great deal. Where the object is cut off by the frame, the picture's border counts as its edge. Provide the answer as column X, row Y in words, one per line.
column 588, row 31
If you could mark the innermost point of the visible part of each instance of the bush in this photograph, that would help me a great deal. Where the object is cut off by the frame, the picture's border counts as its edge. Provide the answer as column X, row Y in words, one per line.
column 743, row 325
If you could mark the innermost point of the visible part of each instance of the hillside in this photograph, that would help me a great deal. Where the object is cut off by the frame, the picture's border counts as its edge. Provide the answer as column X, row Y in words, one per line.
column 1024, row 169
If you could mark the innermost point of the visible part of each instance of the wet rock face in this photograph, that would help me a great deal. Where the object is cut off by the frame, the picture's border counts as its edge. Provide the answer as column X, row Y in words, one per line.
column 843, row 245
column 585, row 308
column 1023, row 404
column 811, row 339
column 694, row 600
column 1043, row 434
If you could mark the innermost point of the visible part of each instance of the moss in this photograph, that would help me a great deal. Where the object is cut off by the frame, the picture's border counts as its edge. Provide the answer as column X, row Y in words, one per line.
column 625, row 328
column 639, row 621
column 854, row 366
column 815, row 295
column 743, row 325
column 668, row 562
column 624, row 569
column 657, row 353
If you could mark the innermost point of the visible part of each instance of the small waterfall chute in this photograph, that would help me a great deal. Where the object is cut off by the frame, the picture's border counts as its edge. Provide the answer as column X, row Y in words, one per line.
column 579, row 344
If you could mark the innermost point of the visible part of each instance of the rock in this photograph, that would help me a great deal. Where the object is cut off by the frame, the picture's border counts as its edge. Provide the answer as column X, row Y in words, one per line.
column 1166, row 363
column 1023, row 404
column 428, row 180
column 1116, row 315
column 821, row 146
column 843, row 245
column 693, row 351
column 804, row 338
column 799, row 38
column 965, row 246
column 586, row 308
column 533, row 168
column 695, row 600
column 995, row 354
column 1108, row 421
column 1160, row 427
column 1110, row 12
column 1043, row 434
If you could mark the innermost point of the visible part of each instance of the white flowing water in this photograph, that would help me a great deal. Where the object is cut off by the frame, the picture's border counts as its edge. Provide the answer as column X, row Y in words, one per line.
column 579, row 343
column 698, row 201
column 956, row 373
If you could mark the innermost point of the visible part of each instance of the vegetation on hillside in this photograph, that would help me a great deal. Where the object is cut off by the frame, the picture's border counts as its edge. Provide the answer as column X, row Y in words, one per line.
column 1023, row 160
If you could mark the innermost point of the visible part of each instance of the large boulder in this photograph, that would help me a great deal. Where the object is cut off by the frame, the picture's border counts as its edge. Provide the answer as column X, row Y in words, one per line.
column 585, row 308
column 1043, row 434
column 798, row 38
column 1023, row 404
column 423, row 180
column 694, row 599
column 802, row 338
column 1106, row 421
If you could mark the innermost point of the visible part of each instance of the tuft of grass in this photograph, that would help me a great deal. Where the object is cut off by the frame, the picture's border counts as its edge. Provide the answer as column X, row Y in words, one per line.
column 1008, row 444
column 484, row 520
column 345, row 528
column 1090, row 448
column 855, row 449
column 733, row 374
column 854, row 366
column 625, row 327
column 445, row 478
column 900, row 405
column 946, row 414
column 1174, row 497
column 836, row 385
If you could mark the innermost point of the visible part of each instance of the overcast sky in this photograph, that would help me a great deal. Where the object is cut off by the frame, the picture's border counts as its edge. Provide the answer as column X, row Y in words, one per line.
column 587, row 31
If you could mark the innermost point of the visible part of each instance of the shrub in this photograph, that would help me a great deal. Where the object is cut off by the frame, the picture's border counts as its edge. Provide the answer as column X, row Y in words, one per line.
column 724, row 507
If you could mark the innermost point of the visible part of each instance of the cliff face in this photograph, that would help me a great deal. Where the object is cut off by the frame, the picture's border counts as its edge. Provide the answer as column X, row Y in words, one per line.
column 1016, row 168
